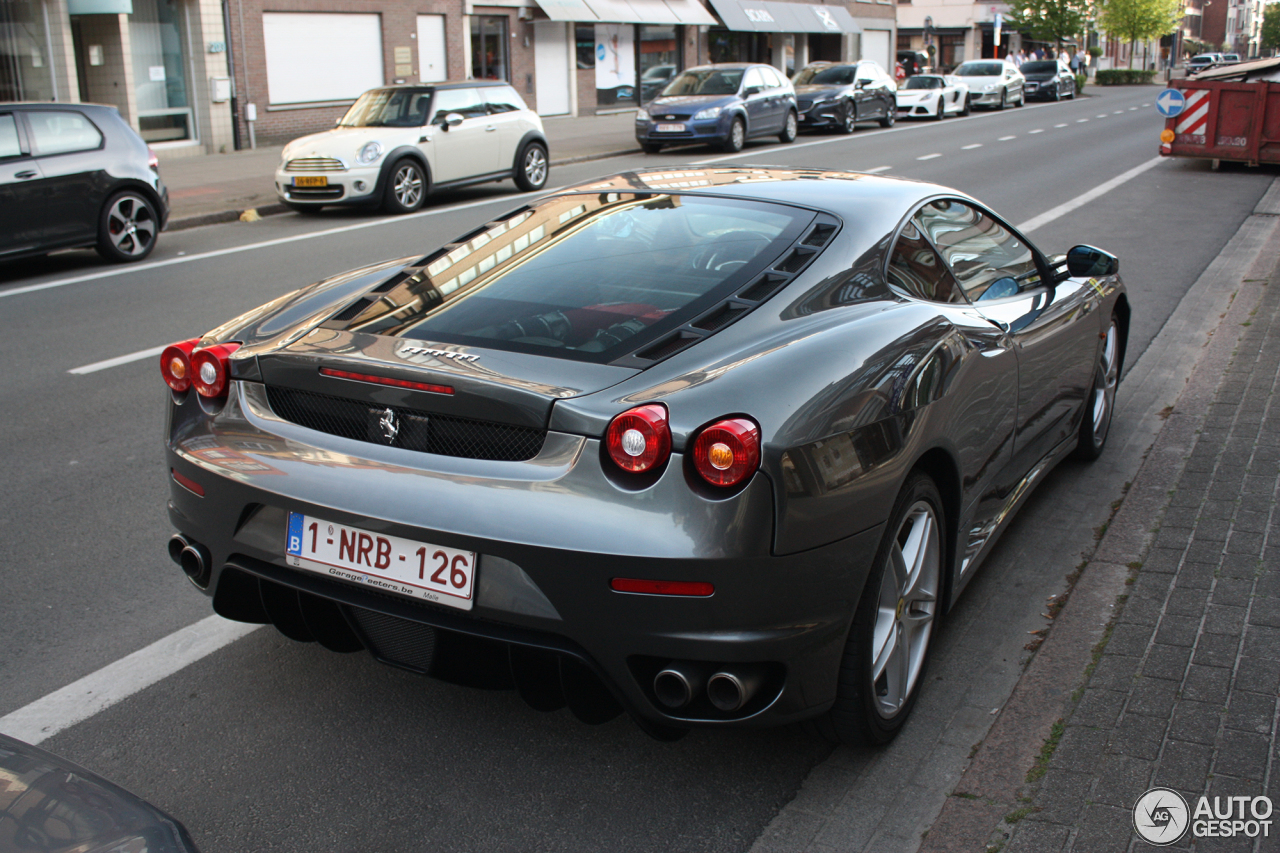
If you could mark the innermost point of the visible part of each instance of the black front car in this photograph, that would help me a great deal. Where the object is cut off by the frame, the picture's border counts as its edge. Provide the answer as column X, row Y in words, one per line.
column 825, row 95
column 1047, row 80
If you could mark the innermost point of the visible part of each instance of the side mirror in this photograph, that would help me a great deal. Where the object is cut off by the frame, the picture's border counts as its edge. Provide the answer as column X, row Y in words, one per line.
column 752, row 90
column 861, row 84
column 1091, row 262
column 453, row 120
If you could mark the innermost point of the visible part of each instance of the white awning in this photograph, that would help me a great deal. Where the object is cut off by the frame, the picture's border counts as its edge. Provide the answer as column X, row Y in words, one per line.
column 669, row 12
column 770, row 16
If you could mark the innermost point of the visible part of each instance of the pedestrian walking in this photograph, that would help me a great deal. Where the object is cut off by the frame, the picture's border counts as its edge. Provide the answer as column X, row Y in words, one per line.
column 1077, row 61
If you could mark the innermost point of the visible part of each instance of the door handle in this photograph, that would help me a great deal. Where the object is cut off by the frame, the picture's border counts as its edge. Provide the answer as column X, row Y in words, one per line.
column 490, row 129
column 29, row 173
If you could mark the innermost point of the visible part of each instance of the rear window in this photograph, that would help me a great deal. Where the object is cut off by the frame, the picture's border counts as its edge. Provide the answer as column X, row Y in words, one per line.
column 586, row 277
column 1050, row 67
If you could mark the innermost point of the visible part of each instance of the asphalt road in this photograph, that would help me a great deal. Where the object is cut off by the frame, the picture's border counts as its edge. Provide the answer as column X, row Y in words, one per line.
column 268, row 744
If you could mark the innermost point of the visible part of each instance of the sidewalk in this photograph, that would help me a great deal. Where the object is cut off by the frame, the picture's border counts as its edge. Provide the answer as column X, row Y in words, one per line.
column 1181, row 689
column 218, row 187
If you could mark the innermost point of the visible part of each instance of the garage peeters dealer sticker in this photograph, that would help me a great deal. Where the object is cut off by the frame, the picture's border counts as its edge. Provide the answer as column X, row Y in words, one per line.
column 1162, row 816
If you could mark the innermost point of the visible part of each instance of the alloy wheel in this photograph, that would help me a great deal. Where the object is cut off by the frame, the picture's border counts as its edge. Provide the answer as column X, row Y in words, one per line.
column 131, row 225
column 535, row 165
column 408, row 186
column 905, row 610
column 1104, row 386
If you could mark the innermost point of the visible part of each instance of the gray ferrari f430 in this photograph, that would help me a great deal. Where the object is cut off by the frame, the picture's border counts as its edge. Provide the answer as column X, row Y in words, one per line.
column 714, row 446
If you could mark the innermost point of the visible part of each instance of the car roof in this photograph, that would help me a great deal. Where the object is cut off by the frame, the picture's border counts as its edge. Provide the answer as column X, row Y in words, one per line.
column 856, row 197
column 445, row 84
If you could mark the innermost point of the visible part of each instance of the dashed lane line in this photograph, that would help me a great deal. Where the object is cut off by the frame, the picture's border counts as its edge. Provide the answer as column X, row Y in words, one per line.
column 1006, row 138
column 1037, row 130
column 877, row 170
column 1081, row 120
column 80, row 700
column 971, row 147
column 1059, row 125
column 928, row 156
column 117, row 361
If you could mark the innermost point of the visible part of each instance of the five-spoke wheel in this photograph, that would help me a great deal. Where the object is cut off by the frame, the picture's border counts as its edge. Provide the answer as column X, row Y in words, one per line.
column 1101, row 402
column 127, row 227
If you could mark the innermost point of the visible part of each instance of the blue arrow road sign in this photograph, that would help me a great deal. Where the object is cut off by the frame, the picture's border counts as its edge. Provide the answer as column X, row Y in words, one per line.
column 1170, row 103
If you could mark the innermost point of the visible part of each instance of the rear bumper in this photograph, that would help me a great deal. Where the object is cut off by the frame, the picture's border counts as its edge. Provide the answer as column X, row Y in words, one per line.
column 550, row 534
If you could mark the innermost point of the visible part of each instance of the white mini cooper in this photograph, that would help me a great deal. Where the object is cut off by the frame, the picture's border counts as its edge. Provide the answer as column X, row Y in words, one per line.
column 398, row 143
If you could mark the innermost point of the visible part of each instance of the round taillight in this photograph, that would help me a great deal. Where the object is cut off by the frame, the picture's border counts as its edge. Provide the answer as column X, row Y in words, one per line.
column 639, row 440
column 209, row 369
column 175, row 364
column 727, row 452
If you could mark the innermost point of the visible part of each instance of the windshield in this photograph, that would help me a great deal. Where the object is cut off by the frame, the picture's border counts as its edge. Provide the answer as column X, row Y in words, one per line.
column 980, row 69
column 825, row 75
column 389, row 108
column 1049, row 67
column 706, row 81
column 658, row 72
column 587, row 277
column 921, row 82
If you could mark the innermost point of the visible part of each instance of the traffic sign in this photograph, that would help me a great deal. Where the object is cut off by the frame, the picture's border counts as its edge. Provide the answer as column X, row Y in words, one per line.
column 1170, row 103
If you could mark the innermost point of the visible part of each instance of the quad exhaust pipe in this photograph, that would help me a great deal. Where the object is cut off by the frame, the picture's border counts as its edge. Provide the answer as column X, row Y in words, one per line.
column 193, row 557
column 729, row 688
column 732, row 687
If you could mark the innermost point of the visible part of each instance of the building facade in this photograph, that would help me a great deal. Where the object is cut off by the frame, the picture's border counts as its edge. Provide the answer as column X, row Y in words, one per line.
column 161, row 63
column 299, row 64
column 956, row 31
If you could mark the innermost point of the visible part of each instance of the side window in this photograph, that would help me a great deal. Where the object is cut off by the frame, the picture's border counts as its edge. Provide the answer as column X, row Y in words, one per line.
column 466, row 102
column 772, row 79
column 9, row 146
column 753, row 78
column 915, row 267
column 503, row 99
column 60, row 132
column 988, row 259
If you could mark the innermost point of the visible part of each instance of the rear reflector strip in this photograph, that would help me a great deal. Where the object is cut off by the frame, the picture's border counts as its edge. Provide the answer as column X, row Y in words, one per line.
column 694, row 588
column 384, row 380
column 187, row 483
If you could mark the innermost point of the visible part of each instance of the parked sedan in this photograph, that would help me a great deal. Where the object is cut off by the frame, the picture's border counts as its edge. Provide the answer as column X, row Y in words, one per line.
column 1203, row 61
column 839, row 96
column 933, row 96
column 724, row 105
column 396, row 144
column 715, row 448
column 1048, row 79
column 992, row 83
column 77, row 175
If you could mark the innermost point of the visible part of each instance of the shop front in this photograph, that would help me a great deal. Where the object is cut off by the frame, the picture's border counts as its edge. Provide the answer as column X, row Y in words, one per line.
column 784, row 35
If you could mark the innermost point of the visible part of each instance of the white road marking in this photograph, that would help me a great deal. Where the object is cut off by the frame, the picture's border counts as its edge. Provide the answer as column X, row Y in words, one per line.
column 1059, row 125
column 131, row 269
column 971, row 147
column 1104, row 115
column 99, row 690
column 115, row 682
column 1146, row 105
column 928, row 156
column 1037, row 130
column 117, row 361
column 1006, row 138
column 1081, row 120
column 1117, row 112
column 1081, row 200
column 877, row 170
column 1131, row 109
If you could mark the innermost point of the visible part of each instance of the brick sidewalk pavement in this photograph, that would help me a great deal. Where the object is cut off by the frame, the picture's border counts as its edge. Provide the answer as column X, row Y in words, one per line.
column 1184, row 694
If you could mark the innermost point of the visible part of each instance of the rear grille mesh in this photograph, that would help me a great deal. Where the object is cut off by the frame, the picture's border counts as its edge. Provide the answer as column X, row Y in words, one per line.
column 421, row 431
column 408, row 644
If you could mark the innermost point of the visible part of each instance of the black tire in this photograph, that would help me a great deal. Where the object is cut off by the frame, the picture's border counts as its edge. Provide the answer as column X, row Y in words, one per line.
column 849, row 117
column 1022, row 99
column 968, row 105
column 128, row 226
column 1004, row 99
column 857, row 717
column 790, row 127
column 1095, row 424
column 304, row 209
column 532, row 167
column 651, row 147
column 407, row 187
column 737, row 136
column 889, row 114
column 1057, row 93
column 942, row 110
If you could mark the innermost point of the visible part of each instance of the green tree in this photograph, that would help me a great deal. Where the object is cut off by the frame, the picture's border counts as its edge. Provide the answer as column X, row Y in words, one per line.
column 1049, row 20
column 1270, row 35
column 1139, row 20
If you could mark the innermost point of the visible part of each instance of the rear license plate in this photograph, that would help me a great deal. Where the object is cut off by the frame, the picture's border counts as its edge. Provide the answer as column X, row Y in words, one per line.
column 670, row 128
column 388, row 563
column 310, row 181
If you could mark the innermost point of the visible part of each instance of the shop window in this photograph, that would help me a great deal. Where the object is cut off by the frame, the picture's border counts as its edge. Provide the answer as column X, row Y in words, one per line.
column 659, row 59
column 615, row 64
column 25, row 73
column 585, row 36
column 489, row 48
column 156, row 40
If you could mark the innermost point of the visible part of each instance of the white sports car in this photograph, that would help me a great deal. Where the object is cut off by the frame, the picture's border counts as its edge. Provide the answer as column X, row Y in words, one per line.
column 933, row 96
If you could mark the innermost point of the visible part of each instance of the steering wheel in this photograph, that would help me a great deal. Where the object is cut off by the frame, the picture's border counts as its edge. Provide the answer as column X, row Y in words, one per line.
column 729, row 250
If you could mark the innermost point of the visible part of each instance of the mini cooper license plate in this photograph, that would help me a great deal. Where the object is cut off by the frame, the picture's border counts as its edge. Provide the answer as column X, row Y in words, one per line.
column 310, row 181
column 670, row 128
column 388, row 563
